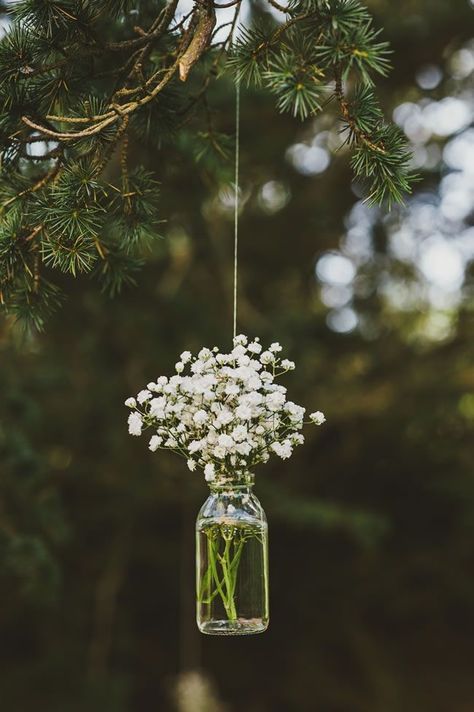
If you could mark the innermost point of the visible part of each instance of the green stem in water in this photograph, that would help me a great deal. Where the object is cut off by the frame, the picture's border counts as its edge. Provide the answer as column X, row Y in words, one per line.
column 220, row 577
column 228, row 577
column 215, row 575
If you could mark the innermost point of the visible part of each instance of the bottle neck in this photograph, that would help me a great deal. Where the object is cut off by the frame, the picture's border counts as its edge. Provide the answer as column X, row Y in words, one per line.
column 239, row 484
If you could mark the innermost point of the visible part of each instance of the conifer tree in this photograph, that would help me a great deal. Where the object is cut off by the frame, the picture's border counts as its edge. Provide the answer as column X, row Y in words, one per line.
column 81, row 79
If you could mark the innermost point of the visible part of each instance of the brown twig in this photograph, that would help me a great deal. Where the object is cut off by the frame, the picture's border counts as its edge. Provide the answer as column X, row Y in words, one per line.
column 279, row 7
column 204, row 19
column 33, row 233
column 227, row 4
column 349, row 118
column 108, row 154
column 118, row 111
column 33, row 188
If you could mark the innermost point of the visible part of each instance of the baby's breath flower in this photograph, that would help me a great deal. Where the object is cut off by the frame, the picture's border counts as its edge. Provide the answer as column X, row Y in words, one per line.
column 209, row 472
column 135, row 424
column 204, row 354
column 317, row 418
column 223, row 412
column 254, row 347
column 283, row 449
column 244, row 412
column 225, row 441
column 200, row 416
column 267, row 357
column 275, row 401
column 143, row 396
column 155, row 442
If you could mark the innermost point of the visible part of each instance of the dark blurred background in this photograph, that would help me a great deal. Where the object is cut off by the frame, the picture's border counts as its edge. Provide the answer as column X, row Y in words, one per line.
column 371, row 523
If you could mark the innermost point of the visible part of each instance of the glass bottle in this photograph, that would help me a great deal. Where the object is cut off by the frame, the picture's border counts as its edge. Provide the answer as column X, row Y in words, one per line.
column 232, row 560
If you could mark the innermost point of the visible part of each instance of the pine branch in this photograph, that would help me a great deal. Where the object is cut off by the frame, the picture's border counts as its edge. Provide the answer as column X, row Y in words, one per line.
column 381, row 156
column 67, row 105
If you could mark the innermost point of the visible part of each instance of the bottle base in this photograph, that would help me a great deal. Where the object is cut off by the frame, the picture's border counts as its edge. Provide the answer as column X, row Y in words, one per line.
column 241, row 626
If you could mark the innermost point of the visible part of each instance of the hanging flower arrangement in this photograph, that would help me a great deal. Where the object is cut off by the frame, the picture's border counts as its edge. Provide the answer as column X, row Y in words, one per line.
column 225, row 414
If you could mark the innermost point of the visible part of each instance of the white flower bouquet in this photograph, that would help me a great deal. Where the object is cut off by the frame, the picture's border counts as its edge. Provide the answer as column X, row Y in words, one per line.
column 222, row 412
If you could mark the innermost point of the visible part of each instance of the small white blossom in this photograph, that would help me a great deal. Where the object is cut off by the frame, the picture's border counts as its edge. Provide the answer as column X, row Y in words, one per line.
column 283, row 449
column 254, row 347
column 200, row 416
column 243, row 448
column 209, row 472
column 244, row 412
column 317, row 418
column 179, row 367
column 135, row 424
column 185, row 356
column 131, row 403
column 275, row 401
column 267, row 357
column 252, row 398
column 155, row 442
column 157, row 407
column 143, row 396
column 287, row 364
column 191, row 465
column 204, row 354
column 275, row 347
column 254, row 383
column 225, row 417
column 239, row 433
column 295, row 411
column 238, row 352
column 225, row 441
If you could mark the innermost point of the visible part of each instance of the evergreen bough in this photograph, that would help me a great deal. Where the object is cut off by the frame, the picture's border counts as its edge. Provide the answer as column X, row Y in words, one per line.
column 79, row 79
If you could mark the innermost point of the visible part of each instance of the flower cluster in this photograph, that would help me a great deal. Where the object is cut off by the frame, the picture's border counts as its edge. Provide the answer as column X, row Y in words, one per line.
column 223, row 412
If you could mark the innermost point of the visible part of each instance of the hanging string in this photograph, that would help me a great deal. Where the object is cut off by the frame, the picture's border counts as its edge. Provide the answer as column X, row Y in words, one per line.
column 236, row 199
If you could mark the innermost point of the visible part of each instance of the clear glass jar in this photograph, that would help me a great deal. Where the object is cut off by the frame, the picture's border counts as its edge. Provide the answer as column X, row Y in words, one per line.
column 232, row 561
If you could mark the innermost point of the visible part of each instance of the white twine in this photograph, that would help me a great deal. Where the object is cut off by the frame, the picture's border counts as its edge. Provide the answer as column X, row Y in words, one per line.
column 236, row 199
